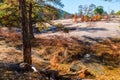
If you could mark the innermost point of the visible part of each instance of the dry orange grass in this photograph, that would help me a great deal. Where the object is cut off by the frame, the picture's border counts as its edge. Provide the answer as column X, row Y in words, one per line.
column 54, row 61
column 82, row 74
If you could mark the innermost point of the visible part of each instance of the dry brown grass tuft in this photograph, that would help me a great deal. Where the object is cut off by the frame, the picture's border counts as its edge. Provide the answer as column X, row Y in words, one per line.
column 14, row 36
column 63, row 47
column 54, row 61
column 109, row 51
column 10, row 36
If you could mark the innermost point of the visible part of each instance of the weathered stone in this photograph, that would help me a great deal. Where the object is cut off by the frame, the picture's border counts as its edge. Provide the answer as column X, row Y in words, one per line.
column 75, row 67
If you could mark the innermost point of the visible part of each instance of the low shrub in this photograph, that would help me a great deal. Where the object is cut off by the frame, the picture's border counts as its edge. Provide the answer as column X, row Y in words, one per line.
column 59, row 26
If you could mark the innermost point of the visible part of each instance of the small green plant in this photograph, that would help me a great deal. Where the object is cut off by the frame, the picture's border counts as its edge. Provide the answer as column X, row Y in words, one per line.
column 65, row 30
column 59, row 26
column 119, row 26
column 99, row 17
column 86, row 18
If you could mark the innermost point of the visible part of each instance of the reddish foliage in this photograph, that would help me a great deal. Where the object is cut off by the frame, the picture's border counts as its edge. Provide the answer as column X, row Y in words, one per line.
column 14, row 36
column 10, row 35
column 75, row 18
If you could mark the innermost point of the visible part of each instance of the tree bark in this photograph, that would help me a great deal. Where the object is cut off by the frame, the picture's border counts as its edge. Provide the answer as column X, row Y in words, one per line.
column 30, row 21
column 25, row 33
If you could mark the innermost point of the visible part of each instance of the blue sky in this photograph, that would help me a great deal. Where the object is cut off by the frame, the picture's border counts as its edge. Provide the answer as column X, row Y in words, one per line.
column 71, row 6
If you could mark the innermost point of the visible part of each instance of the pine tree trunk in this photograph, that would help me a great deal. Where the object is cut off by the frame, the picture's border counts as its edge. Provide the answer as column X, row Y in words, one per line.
column 30, row 21
column 25, row 33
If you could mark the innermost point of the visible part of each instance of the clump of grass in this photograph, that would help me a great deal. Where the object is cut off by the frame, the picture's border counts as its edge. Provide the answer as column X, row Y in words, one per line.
column 13, row 37
column 59, row 26
column 109, row 51
column 60, row 46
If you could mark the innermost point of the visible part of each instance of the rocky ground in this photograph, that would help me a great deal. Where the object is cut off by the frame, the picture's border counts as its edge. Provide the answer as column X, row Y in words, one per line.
column 70, row 56
column 89, row 31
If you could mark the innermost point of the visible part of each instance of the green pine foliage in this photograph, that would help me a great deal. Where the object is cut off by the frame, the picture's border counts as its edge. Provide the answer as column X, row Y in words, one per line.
column 42, row 11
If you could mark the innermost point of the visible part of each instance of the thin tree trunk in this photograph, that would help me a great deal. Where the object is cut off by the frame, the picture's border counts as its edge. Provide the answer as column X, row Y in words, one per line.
column 25, row 33
column 30, row 21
